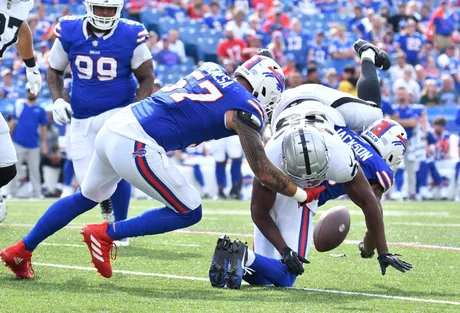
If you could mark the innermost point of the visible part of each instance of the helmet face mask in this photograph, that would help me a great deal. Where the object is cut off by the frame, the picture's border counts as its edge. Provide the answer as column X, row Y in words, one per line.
column 389, row 139
column 266, row 79
column 305, row 156
column 103, row 22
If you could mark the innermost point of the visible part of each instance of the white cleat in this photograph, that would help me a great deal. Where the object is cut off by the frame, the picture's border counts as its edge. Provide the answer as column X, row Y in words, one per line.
column 122, row 242
column 3, row 210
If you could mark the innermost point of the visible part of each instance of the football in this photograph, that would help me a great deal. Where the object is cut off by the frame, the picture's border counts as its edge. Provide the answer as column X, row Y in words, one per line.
column 331, row 229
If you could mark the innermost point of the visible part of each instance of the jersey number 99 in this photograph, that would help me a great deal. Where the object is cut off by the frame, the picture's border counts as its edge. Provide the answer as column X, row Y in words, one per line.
column 105, row 68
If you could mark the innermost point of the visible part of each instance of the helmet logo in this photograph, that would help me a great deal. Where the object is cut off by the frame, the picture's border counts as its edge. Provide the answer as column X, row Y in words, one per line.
column 279, row 78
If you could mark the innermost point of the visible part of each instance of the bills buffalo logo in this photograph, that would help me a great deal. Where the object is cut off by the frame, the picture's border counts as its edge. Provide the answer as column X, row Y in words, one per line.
column 139, row 153
column 279, row 78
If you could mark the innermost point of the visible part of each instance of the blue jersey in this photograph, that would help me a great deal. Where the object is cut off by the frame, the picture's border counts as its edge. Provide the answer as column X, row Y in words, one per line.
column 318, row 52
column 411, row 46
column 408, row 112
column 298, row 45
column 374, row 167
column 101, row 67
column 193, row 110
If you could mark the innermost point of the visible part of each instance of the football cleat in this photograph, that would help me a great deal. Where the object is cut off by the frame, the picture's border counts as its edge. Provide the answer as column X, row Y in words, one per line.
column 18, row 260
column 382, row 61
column 3, row 209
column 238, row 258
column 218, row 272
column 100, row 247
column 364, row 254
column 107, row 211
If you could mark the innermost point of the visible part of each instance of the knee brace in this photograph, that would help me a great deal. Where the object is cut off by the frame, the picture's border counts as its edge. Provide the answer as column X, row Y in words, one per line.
column 7, row 174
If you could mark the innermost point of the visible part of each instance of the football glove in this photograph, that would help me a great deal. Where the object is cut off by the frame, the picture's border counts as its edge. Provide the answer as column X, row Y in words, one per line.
column 61, row 111
column 293, row 261
column 34, row 78
column 386, row 259
column 312, row 194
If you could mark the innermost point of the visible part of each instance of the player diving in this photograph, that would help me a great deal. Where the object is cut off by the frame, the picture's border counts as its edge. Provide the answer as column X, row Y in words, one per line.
column 108, row 58
column 14, row 30
column 132, row 145
column 314, row 144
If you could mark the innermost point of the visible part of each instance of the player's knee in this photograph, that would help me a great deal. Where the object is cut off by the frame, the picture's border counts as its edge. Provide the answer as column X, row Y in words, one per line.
column 7, row 174
column 288, row 280
column 193, row 216
column 95, row 193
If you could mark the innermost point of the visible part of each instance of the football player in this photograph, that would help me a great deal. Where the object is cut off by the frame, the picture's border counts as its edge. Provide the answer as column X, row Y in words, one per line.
column 302, row 158
column 14, row 30
column 106, row 55
column 206, row 104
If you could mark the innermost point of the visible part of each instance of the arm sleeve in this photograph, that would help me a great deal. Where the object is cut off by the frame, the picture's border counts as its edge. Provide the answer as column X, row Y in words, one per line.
column 43, row 118
column 140, row 55
column 58, row 59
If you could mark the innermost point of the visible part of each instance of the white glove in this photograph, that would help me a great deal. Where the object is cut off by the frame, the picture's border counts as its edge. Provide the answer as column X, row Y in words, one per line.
column 61, row 111
column 34, row 78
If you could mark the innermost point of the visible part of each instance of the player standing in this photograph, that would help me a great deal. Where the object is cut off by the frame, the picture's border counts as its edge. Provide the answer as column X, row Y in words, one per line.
column 104, row 51
column 14, row 30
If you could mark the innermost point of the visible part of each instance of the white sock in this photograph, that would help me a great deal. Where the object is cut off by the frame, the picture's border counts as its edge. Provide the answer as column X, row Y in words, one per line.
column 368, row 54
column 251, row 258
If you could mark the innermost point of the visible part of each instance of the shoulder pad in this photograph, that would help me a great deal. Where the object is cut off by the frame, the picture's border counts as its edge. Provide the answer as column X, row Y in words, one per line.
column 212, row 67
column 249, row 119
column 65, row 26
column 134, row 30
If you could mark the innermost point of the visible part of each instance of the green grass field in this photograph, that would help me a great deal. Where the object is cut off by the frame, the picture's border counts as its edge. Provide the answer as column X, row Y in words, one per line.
column 168, row 273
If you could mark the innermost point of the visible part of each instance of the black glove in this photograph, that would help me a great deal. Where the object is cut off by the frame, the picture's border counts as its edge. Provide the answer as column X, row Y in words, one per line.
column 386, row 259
column 293, row 261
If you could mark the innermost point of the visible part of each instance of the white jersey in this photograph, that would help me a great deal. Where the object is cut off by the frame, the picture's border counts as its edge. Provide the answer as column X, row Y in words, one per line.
column 12, row 15
column 343, row 109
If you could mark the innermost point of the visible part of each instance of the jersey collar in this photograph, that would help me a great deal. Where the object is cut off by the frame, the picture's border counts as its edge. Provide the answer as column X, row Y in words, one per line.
column 87, row 35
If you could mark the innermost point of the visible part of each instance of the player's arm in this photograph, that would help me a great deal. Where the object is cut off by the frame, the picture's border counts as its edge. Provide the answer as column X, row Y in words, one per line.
column 24, row 46
column 369, row 242
column 142, row 67
column 361, row 193
column 268, row 174
column 262, row 200
column 407, row 123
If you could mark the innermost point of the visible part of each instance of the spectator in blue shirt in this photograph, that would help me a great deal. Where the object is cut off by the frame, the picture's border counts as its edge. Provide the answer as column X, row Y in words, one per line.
column 176, row 11
column 411, row 43
column 444, row 23
column 7, row 89
column 214, row 19
column 297, row 42
column 26, row 119
column 341, row 50
column 356, row 19
column 318, row 51
column 166, row 56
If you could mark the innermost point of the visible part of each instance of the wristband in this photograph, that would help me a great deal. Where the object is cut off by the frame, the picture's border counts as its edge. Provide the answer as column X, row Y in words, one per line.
column 30, row 62
column 300, row 195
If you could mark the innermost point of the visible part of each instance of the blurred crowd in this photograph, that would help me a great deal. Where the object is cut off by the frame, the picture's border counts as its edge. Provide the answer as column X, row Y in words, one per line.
column 311, row 40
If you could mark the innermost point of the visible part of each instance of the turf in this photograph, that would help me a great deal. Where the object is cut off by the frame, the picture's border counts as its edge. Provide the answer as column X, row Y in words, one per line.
column 167, row 273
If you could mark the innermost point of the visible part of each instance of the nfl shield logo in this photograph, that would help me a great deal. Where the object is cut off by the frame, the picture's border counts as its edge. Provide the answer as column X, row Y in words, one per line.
column 8, row 5
column 95, row 43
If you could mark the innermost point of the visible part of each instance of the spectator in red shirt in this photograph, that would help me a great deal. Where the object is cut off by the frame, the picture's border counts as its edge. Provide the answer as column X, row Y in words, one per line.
column 276, row 47
column 230, row 48
column 276, row 19
column 135, row 8
column 290, row 64
column 196, row 9
column 265, row 5
column 254, row 44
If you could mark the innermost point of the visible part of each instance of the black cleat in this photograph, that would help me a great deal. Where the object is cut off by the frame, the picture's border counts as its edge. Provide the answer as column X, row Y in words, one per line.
column 107, row 211
column 218, row 271
column 382, row 61
column 221, row 195
column 238, row 258
column 235, row 192
column 364, row 254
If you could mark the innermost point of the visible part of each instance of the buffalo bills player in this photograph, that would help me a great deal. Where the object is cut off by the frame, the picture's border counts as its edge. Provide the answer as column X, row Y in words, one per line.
column 106, row 55
column 206, row 104
column 379, row 150
column 14, row 30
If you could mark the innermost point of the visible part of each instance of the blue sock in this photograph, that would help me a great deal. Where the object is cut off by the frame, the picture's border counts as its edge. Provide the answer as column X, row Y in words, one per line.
column 58, row 215
column 120, row 200
column 198, row 174
column 435, row 174
column 235, row 170
column 152, row 222
column 221, row 176
column 273, row 270
column 457, row 167
column 422, row 175
column 68, row 172
column 399, row 179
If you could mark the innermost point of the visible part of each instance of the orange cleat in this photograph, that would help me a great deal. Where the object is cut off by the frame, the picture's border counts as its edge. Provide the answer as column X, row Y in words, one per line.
column 18, row 260
column 100, row 246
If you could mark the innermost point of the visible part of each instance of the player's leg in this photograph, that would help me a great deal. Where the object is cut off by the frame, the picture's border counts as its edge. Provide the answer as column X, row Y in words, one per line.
column 7, row 162
column 33, row 161
column 235, row 152
column 149, row 169
column 219, row 155
column 20, row 157
column 67, row 173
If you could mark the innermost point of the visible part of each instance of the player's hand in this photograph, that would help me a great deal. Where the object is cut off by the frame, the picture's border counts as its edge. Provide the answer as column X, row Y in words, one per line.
column 312, row 194
column 293, row 261
column 388, row 259
column 61, row 111
column 34, row 78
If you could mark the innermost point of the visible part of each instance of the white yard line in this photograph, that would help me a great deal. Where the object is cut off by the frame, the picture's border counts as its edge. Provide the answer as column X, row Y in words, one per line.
column 331, row 291
column 84, row 246
column 214, row 233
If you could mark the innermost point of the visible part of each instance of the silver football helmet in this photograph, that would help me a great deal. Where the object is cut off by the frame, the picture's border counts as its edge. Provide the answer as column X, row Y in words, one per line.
column 305, row 156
